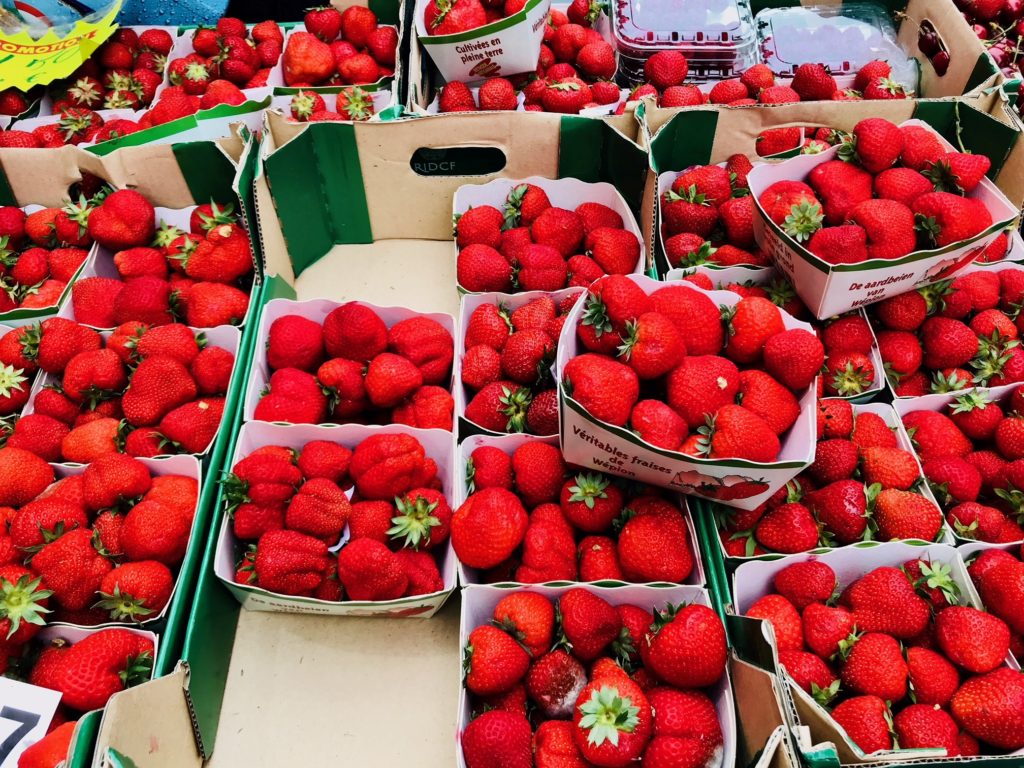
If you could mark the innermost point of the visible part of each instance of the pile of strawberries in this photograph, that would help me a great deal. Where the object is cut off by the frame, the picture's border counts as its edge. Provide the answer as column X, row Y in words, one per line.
column 998, row 575
column 352, row 368
column 345, row 47
column 532, row 245
column 862, row 486
column 40, row 253
column 915, row 665
column 667, row 366
column 506, row 364
column 971, row 451
column 953, row 335
column 349, row 104
column 847, row 339
column 450, row 17
column 146, row 391
column 200, row 276
column 707, row 217
column 531, row 518
column 896, row 190
column 229, row 52
column 290, row 509
column 94, row 547
column 605, row 684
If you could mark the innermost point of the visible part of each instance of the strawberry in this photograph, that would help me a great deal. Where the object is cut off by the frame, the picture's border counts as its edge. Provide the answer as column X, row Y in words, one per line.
column 500, row 406
column 542, row 415
column 835, row 459
column 665, row 69
column 71, row 568
column 554, row 682
column 368, row 570
column 192, row 426
column 136, row 590
column 807, row 582
column 788, row 528
column 655, row 548
column 884, row 600
column 953, row 480
column 695, row 316
column 294, row 396
column 873, row 665
column 446, row 17
column 559, row 228
column 488, row 527
column 598, row 559
column 737, row 433
column 114, row 480
column 159, row 385
column 810, row 673
column 976, row 641
column 480, row 268
column 494, row 661
column 989, row 707
column 489, row 325
column 100, row 665
column 922, row 726
column 589, row 623
column 686, row 647
column 947, row 218
column 656, row 423
column 324, row 22
column 606, row 388
column 813, row 83
column 539, row 469
column 549, row 549
column 688, row 211
column 824, row 627
column 390, row 379
column 382, row 45
column 845, row 244
column 865, row 719
column 840, row 187
column 652, row 345
column 751, row 322
column 727, row 91
column 958, row 171
column 933, row 680
column 889, row 468
column 875, row 143
column 615, row 250
column 306, row 60
column 479, row 226
column 497, row 738
column 901, row 184
column 295, row 342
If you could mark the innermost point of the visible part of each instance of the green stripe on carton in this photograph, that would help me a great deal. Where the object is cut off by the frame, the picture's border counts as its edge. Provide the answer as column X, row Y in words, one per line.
column 687, row 139
column 984, row 68
column 590, row 150
column 6, row 194
column 208, row 172
column 387, row 10
column 317, row 185
column 84, row 743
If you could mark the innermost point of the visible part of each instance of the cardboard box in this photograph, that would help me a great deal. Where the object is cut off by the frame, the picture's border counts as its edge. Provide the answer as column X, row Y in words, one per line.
column 508, row 444
column 722, row 276
column 892, row 420
column 467, row 306
column 478, row 607
column 828, row 289
column 704, row 135
column 820, row 738
column 505, row 47
column 618, row 451
column 187, row 466
column 565, row 193
column 439, row 446
column 316, row 310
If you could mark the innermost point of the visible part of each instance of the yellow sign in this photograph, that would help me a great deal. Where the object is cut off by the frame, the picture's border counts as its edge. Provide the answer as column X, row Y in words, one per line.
column 25, row 62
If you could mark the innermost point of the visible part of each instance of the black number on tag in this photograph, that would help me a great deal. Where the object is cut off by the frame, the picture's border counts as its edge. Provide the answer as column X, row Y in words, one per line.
column 28, row 721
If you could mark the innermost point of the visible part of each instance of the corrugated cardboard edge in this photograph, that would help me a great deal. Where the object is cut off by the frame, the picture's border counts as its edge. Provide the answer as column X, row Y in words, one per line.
column 153, row 724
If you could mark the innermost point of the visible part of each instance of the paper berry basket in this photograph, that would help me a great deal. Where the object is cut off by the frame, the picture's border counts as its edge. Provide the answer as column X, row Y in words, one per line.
column 829, row 289
column 590, row 443
column 438, row 445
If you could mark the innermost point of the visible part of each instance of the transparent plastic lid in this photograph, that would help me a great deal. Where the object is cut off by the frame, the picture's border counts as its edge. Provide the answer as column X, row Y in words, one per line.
column 843, row 38
column 645, row 26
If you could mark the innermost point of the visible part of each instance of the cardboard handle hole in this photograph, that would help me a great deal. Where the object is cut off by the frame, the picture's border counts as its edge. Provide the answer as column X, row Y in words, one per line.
column 457, row 161
column 88, row 185
column 933, row 47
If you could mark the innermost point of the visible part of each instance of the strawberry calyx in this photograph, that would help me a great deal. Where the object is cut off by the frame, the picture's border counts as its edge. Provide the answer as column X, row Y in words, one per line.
column 218, row 216
column 470, row 475
column 587, row 488
column 942, row 384
column 928, row 227
column 122, row 606
column 22, row 600
column 516, row 404
column 607, row 714
column 937, row 576
column 624, row 650
column 513, row 206
column 358, row 103
column 302, row 105
column 235, row 490
column 687, row 195
column 8, row 257
column 824, row 696
column 138, row 669
column 846, row 645
column 196, row 71
column 803, row 220
column 247, row 565
column 166, row 234
column 851, row 380
column 1014, row 498
column 85, row 92
column 11, row 380
column 415, row 521
column 630, row 339
column 781, row 292
column 848, row 149
column 749, row 542
column 74, row 123
column 79, row 213
column 707, row 434
column 595, row 314
column 444, row 7
column 989, row 366
column 700, row 256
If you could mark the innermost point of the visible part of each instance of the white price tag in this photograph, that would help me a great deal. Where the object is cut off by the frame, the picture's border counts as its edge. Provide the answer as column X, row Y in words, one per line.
column 25, row 714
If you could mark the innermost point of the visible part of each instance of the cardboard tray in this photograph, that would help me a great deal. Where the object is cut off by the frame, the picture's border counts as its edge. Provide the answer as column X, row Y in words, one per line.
column 508, row 444
column 819, row 737
column 478, row 606
column 903, row 440
column 828, row 289
column 467, row 306
column 618, row 451
column 317, row 310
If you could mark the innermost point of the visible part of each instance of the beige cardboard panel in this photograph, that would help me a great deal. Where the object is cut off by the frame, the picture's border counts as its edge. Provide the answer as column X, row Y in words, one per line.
column 152, row 170
column 275, row 252
column 312, row 691
column 403, row 204
column 150, row 723
column 382, row 272
column 1011, row 177
column 757, row 708
column 40, row 176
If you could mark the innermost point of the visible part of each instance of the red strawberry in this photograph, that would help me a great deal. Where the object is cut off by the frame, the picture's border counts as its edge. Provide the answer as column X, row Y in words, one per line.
column 865, row 719
column 488, row 527
column 497, row 738
column 590, row 624
column 686, row 647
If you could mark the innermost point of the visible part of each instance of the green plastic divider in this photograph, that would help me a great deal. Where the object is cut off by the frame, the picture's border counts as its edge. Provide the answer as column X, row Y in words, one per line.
column 85, row 739
column 706, row 539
